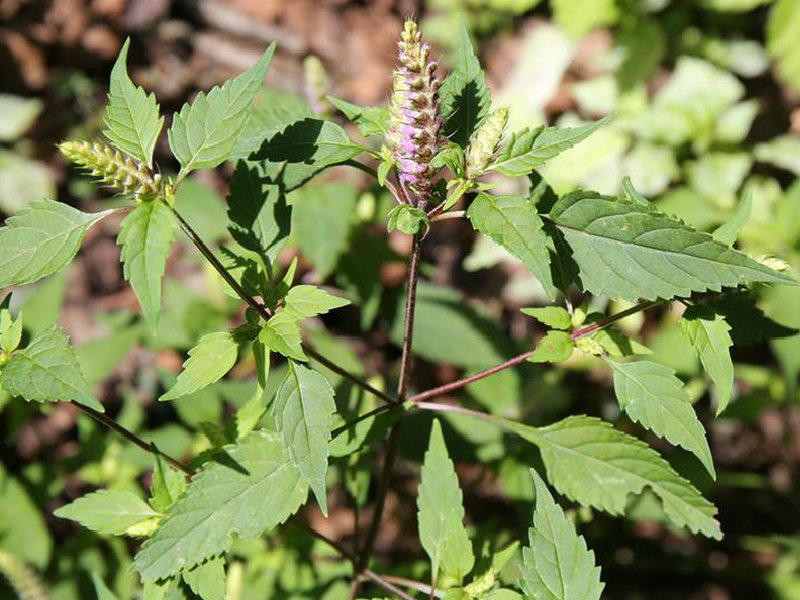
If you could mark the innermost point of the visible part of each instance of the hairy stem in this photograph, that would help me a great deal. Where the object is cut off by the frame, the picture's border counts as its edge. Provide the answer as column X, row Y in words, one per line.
column 576, row 335
column 133, row 438
column 264, row 312
column 394, row 433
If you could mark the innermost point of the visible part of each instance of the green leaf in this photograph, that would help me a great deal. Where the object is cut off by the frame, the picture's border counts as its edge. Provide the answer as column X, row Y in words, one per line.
column 10, row 329
column 132, row 117
column 321, row 222
column 146, row 236
column 100, row 588
column 651, row 395
column 25, row 535
column 207, row 579
column 729, row 231
column 512, row 222
column 48, row 371
column 749, row 324
column 303, row 411
column 247, row 490
column 308, row 301
column 371, row 120
column 204, row 134
column 555, row 346
column 307, row 147
column 108, row 512
column 709, row 335
column 212, row 357
column 630, row 251
column 258, row 212
column 531, row 148
column 441, row 512
column 594, row 464
column 281, row 334
column 465, row 97
column 41, row 240
column 557, row 565
column 781, row 34
column 552, row 316
column 166, row 486
column 408, row 219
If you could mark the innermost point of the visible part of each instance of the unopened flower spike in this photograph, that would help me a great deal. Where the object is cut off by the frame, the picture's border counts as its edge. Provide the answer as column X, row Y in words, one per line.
column 485, row 142
column 113, row 168
column 414, row 129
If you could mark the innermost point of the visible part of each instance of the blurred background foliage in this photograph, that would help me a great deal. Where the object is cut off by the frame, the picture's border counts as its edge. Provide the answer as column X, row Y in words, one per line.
column 706, row 102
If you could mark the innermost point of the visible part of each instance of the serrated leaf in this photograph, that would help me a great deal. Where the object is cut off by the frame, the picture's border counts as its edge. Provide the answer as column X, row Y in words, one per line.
column 441, row 512
column 557, row 565
column 371, row 120
column 514, row 223
column 48, row 371
column 529, row 149
column 307, row 147
column 555, row 346
column 630, row 251
column 204, row 133
column 132, row 117
column 251, row 488
column 212, row 357
column 207, row 579
column 465, row 97
column 729, row 231
column 108, row 512
column 408, row 219
column 709, row 335
column 594, row 464
column 41, row 240
column 303, row 411
column 308, row 301
column 281, row 334
column 651, row 395
column 146, row 236
column 100, row 588
column 258, row 212
column 552, row 316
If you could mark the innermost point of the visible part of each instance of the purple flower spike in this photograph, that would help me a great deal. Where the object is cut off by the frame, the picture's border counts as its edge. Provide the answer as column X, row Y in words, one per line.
column 414, row 129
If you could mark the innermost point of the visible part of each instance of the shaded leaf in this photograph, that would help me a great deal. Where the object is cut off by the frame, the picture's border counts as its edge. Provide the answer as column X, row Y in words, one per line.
column 250, row 488
column 709, row 335
column 303, row 411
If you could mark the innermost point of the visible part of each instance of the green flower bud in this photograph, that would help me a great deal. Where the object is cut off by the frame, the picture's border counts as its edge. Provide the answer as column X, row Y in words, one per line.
column 485, row 142
column 113, row 168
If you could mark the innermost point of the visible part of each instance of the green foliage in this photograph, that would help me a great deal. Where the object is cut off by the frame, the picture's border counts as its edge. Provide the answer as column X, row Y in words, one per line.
column 146, row 236
column 109, row 512
column 408, row 219
column 531, row 148
column 590, row 462
column 555, row 346
column 203, row 134
column 251, row 487
column 781, row 34
column 207, row 579
column 441, row 513
column 281, row 334
column 303, row 411
column 465, row 97
column 557, row 565
column 651, row 395
column 47, row 370
column 512, row 222
column 552, row 316
column 308, row 301
column 371, row 120
column 212, row 357
column 627, row 250
column 132, row 117
column 41, row 240
column 709, row 334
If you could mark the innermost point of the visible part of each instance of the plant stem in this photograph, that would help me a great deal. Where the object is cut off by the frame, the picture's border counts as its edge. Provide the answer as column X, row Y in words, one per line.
column 402, row 388
column 369, row 170
column 264, row 312
column 133, row 438
column 375, row 411
column 454, row 214
column 415, row 585
column 576, row 335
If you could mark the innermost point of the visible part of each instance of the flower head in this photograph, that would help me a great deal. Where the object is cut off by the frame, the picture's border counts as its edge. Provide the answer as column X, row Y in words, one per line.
column 485, row 142
column 414, row 128
column 112, row 167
